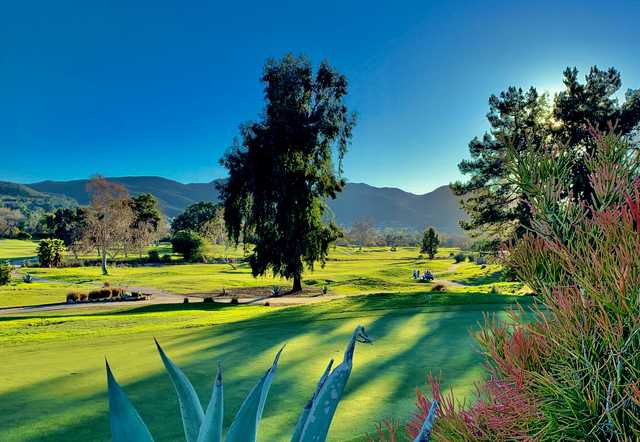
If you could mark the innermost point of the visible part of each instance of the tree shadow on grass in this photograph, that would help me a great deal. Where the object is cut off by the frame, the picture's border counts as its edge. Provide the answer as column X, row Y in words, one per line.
column 408, row 344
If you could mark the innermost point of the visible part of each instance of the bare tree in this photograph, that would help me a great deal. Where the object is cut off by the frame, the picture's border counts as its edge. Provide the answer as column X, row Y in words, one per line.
column 9, row 220
column 214, row 229
column 109, row 219
column 363, row 233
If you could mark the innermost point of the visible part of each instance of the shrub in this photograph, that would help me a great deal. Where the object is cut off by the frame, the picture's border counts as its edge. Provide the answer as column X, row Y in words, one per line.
column 276, row 290
column 572, row 371
column 117, row 292
column 5, row 273
column 189, row 244
column 82, row 297
column 438, row 288
column 166, row 258
column 208, row 300
column 234, row 300
column 50, row 252
column 72, row 297
column 471, row 258
column 458, row 257
column 266, row 304
column 154, row 256
column 23, row 235
column 27, row 278
column 95, row 295
column 185, row 301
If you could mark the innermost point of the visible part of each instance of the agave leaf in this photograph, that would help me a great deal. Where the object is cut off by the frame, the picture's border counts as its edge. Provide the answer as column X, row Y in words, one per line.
column 126, row 423
column 244, row 427
column 325, row 404
column 190, row 407
column 211, row 429
column 425, row 431
column 297, row 432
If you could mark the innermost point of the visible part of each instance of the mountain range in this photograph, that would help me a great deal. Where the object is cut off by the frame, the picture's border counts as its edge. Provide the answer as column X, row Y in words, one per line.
column 385, row 206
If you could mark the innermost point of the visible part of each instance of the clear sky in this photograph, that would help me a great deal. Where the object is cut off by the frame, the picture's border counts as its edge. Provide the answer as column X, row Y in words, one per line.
column 160, row 88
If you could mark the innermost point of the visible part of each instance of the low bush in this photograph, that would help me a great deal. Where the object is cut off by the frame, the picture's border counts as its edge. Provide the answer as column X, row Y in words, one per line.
column 234, row 300
column 73, row 297
column 23, row 235
column 185, row 301
column 154, row 256
column 5, row 273
column 208, row 300
column 458, row 257
column 189, row 244
column 438, row 288
column 82, row 297
column 166, row 258
column 27, row 278
column 96, row 295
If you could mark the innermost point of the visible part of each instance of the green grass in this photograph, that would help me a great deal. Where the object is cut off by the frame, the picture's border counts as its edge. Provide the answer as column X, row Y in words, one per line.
column 346, row 272
column 17, row 249
column 53, row 381
column 18, row 293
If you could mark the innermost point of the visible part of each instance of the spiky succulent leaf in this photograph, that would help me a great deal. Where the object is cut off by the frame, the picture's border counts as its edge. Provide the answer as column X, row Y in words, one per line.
column 211, row 429
column 244, row 427
column 297, row 432
column 425, row 431
column 126, row 423
column 190, row 407
column 325, row 404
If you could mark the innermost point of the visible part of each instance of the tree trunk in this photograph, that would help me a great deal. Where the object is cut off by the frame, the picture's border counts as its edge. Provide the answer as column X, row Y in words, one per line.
column 297, row 284
column 104, row 263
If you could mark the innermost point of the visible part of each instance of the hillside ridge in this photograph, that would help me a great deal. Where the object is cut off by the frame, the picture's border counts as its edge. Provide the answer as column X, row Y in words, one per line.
column 385, row 206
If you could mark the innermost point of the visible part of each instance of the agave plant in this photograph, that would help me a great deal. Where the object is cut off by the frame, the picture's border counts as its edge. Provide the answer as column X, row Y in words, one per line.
column 206, row 426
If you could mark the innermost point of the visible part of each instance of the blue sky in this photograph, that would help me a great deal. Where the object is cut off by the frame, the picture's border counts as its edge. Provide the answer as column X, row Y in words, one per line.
column 161, row 87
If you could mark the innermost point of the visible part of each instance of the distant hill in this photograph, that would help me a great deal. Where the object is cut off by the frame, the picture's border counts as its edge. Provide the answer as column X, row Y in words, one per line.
column 392, row 207
column 386, row 206
column 173, row 196
column 27, row 199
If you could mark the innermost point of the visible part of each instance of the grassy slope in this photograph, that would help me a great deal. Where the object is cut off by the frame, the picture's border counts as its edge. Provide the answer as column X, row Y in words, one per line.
column 52, row 382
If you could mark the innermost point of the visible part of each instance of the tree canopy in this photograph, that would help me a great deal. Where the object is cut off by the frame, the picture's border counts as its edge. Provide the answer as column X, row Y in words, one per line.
column 203, row 217
column 282, row 170
column 430, row 242
column 524, row 120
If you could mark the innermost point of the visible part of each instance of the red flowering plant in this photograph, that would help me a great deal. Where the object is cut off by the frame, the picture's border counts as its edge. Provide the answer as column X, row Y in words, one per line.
column 569, row 370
